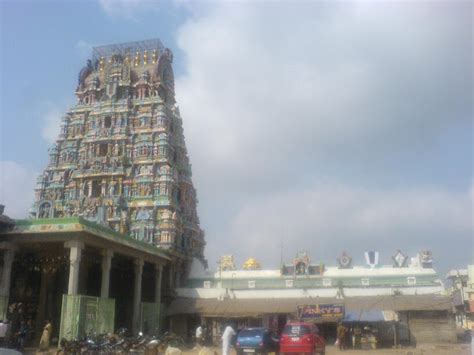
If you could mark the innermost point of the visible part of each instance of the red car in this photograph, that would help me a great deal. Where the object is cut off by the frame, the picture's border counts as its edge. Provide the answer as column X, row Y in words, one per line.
column 299, row 337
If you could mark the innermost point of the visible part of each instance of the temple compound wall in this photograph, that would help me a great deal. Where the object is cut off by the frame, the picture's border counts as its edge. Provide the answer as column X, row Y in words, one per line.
column 401, row 301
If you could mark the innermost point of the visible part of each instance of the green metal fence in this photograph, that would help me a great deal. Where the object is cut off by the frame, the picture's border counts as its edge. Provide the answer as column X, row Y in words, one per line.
column 3, row 307
column 81, row 315
column 150, row 318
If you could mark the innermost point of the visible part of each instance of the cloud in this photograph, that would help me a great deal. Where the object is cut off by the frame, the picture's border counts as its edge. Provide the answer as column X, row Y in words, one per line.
column 52, row 123
column 334, row 79
column 17, row 182
column 299, row 118
column 329, row 218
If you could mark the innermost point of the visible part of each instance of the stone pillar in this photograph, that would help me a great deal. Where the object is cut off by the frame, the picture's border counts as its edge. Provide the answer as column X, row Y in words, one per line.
column 89, row 192
column 8, row 256
column 103, row 188
column 46, row 279
column 177, row 276
column 395, row 334
column 158, row 278
column 75, row 254
column 171, row 279
column 106, row 265
column 137, row 294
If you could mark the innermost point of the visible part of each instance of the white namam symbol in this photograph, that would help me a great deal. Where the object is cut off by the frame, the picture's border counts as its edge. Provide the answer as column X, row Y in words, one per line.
column 400, row 258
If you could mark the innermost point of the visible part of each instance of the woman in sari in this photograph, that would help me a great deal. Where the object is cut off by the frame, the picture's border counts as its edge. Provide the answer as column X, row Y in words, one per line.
column 44, row 341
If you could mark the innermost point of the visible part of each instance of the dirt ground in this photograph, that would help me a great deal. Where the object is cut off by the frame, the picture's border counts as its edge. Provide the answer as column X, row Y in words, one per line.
column 425, row 350
column 331, row 350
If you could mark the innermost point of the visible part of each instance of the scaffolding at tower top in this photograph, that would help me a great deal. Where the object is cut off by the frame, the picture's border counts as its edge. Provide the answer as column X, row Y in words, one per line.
column 126, row 48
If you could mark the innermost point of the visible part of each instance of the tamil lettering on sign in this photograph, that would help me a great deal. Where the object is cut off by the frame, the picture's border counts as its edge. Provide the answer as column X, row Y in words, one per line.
column 324, row 312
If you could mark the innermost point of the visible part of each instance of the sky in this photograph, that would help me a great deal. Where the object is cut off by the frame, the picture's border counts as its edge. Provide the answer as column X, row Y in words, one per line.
column 319, row 126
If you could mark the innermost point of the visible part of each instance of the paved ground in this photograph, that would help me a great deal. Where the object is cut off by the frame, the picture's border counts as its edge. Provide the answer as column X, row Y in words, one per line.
column 4, row 351
column 425, row 350
column 331, row 350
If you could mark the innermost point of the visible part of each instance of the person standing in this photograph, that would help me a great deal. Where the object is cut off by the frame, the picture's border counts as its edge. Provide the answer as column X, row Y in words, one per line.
column 21, row 336
column 341, row 336
column 357, row 337
column 229, row 332
column 3, row 332
column 8, row 334
column 472, row 340
column 199, row 335
column 44, row 341
column 31, row 332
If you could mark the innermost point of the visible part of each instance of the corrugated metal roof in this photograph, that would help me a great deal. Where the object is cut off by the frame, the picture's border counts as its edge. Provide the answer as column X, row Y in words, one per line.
column 371, row 315
column 257, row 307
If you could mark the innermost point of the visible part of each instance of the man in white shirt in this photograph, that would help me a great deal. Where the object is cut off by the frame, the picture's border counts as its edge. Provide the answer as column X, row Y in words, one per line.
column 3, row 332
column 227, row 339
column 472, row 340
column 199, row 335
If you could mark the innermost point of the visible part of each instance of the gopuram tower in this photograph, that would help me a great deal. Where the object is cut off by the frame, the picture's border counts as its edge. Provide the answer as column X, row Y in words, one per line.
column 120, row 159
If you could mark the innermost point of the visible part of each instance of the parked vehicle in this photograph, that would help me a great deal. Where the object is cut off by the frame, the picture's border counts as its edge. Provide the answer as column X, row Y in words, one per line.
column 256, row 340
column 299, row 337
column 117, row 344
column 464, row 336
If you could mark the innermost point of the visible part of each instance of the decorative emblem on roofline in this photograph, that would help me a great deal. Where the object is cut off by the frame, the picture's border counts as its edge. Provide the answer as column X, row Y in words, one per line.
column 400, row 259
column 372, row 258
column 344, row 261
column 426, row 258
column 301, row 265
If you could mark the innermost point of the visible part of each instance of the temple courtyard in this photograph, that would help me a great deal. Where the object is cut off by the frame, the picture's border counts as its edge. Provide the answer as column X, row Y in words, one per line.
column 432, row 349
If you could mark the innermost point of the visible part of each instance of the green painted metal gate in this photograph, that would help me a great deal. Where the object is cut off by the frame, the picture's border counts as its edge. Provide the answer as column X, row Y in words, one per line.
column 150, row 318
column 3, row 306
column 81, row 315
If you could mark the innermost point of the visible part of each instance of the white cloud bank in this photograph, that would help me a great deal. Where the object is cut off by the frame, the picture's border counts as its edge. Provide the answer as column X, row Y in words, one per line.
column 319, row 79
column 328, row 218
column 17, row 180
column 278, row 94
column 52, row 123
column 17, row 184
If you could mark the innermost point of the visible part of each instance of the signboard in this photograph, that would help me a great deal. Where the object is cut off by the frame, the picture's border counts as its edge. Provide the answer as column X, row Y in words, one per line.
column 321, row 312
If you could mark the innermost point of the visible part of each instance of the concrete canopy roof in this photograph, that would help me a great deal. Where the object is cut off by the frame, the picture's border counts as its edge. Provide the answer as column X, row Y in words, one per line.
column 35, row 231
column 257, row 307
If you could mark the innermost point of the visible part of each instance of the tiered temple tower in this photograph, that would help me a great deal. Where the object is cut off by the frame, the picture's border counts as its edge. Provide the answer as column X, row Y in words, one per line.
column 120, row 159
